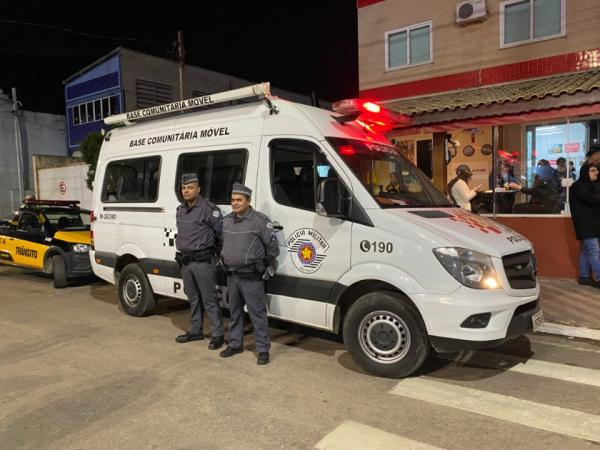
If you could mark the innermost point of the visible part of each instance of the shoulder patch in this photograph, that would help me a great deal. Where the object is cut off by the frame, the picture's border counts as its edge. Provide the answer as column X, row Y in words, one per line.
column 216, row 213
column 269, row 225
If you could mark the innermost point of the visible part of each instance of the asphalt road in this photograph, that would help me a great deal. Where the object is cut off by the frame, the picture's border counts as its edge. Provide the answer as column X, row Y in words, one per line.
column 78, row 373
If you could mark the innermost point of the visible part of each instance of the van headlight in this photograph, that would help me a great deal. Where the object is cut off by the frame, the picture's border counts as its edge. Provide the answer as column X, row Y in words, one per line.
column 81, row 248
column 468, row 267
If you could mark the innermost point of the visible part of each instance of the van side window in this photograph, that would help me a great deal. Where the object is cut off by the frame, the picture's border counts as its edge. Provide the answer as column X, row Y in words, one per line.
column 132, row 180
column 217, row 171
column 297, row 168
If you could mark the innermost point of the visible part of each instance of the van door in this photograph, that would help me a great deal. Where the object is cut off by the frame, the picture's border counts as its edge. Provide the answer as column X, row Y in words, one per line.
column 314, row 250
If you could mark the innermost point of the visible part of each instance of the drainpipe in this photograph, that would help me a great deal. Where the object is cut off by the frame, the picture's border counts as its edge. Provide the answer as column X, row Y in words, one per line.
column 18, row 146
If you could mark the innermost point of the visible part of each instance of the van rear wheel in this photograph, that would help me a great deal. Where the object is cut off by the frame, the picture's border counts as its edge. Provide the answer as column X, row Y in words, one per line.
column 135, row 292
column 386, row 335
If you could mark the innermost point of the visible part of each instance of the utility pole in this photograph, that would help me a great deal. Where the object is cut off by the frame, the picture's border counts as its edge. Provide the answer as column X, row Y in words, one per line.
column 18, row 145
column 181, row 60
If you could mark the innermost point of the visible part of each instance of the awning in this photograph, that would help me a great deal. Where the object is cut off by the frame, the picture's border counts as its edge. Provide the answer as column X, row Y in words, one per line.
column 520, row 91
column 534, row 116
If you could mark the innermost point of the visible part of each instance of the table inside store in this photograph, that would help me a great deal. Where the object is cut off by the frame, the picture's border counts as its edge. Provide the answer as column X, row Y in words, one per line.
column 505, row 201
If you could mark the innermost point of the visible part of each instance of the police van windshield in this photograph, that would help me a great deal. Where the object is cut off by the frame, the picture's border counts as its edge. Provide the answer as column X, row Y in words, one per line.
column 392, row 180
column 68, row 220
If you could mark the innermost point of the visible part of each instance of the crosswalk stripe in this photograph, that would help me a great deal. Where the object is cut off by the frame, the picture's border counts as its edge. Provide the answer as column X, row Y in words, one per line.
column 560, row 345
column 566, row 330
column 564, row 421
column 356, row 436
column 563, row 372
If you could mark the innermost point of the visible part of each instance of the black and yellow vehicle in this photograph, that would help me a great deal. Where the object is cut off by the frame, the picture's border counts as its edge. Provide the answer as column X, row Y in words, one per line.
column 51, row 236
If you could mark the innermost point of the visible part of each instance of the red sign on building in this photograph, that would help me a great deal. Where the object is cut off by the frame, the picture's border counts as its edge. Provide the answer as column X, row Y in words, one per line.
column 572, row 147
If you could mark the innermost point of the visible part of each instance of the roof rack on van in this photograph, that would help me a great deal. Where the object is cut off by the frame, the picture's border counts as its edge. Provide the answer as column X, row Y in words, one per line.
column 262, row 90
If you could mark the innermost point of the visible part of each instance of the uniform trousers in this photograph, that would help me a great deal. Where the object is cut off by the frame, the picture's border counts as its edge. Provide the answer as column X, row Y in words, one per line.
column 199, row 284
column 252, row 293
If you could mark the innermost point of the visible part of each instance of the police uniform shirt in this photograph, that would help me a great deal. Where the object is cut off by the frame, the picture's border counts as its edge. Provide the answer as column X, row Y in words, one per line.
column 248, row 239
column 198, row 226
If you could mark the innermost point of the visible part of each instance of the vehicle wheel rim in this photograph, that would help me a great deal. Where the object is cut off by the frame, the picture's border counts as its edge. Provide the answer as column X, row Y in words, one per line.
column 132, row 291
column 384, row 337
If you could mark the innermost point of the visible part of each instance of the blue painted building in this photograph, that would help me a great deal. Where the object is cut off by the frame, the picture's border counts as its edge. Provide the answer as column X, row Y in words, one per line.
column 125, row 80
column 90, row 95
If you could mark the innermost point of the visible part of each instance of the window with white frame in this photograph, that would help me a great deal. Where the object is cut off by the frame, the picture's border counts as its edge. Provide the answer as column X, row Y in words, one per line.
column 94, row 110
column 523, row 21
column 408, row 46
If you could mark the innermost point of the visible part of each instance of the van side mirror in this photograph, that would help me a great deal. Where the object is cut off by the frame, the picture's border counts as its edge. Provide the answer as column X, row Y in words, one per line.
column 330, row 201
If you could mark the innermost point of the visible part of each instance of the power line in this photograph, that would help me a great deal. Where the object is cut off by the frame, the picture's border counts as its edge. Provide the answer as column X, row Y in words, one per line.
column 81, row 33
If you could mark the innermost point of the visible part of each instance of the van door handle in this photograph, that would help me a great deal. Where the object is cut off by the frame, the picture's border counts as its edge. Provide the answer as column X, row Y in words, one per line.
column 277, row 226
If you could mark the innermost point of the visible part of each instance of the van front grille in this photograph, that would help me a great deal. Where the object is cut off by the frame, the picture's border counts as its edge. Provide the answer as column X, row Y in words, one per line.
column 520, row 270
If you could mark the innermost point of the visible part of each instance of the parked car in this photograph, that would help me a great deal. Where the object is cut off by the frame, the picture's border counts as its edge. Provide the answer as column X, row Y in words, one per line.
column 51, row 236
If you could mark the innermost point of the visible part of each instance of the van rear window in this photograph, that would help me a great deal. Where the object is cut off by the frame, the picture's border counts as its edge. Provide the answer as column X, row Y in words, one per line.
column 132, row 180
column 217, row 171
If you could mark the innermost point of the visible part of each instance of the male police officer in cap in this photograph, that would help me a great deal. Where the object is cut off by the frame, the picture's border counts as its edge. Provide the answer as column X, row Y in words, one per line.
column 249, row 255
column 199, row 239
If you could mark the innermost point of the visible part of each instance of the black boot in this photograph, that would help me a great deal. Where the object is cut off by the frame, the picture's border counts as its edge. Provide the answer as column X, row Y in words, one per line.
column 263, row 358
column 230, row 351
column 216, row 342
column 188, row 337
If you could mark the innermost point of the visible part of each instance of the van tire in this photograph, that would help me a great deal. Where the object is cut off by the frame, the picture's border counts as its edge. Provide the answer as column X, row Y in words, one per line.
column 135, row 292
column 59, row 272
column 386, row 335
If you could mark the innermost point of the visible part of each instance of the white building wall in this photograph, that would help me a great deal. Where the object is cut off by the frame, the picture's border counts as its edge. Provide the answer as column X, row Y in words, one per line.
column 65, row 183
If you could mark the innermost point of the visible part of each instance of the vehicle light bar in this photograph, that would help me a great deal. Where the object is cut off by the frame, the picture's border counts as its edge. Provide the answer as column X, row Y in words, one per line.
column 257, row 90
column 369, row 115
column 51, row 202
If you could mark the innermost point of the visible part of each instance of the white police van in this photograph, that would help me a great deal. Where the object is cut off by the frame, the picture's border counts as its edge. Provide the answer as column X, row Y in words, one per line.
column 369, row 247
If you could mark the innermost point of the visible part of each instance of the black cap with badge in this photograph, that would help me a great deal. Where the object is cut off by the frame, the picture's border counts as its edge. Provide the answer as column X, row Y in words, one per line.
column 188, row 178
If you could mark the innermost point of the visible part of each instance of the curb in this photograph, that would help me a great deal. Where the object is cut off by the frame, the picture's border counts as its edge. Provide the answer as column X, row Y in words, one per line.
column 566, row 330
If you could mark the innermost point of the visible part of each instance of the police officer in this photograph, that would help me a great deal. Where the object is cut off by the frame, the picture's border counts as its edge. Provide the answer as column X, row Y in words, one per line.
column 249, row 255
column 199, row 239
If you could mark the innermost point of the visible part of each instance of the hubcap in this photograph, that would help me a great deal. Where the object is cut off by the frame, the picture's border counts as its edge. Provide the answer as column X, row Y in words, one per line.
column 384, row 337
column 132, row 291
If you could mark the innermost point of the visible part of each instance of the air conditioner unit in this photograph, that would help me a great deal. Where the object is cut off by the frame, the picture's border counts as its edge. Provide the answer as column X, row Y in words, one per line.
column 470, row 11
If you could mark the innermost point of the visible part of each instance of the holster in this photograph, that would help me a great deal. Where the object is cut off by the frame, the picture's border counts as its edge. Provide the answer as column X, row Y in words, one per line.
column 183, row 259
column 221, row 274
column 251, row 272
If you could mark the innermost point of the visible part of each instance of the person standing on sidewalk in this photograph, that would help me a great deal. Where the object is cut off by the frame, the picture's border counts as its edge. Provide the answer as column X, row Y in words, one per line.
column 585, row 211
column 199, row 240
column 249, row 256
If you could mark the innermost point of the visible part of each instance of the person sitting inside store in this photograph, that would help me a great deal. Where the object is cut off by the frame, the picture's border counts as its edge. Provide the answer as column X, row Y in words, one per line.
column 460, row 192
column 504, row 176
column 572, row 171
column 545, row 195
column 561, row 168
column 394, row 186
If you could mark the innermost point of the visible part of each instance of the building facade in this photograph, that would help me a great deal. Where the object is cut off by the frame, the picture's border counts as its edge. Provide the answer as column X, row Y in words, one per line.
column 126, row 80
column 509, row 87
column 24, row 134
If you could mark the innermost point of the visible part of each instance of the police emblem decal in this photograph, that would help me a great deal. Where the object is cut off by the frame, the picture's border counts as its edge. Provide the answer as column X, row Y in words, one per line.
column 307, row 248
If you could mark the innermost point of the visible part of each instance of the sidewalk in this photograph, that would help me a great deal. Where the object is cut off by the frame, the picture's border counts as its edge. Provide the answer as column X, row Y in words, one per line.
column 565, row 302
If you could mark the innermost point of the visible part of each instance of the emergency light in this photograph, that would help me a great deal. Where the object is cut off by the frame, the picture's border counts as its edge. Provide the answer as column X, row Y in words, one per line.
column 369, row 115
column 51, row 202
column 262, row 90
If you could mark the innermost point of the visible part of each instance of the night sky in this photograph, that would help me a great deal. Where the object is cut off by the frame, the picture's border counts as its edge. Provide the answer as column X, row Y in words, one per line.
column 301, row 46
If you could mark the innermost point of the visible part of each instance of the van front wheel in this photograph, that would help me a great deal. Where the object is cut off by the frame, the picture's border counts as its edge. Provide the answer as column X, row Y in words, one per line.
column 386, row 335
column 135, row 292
